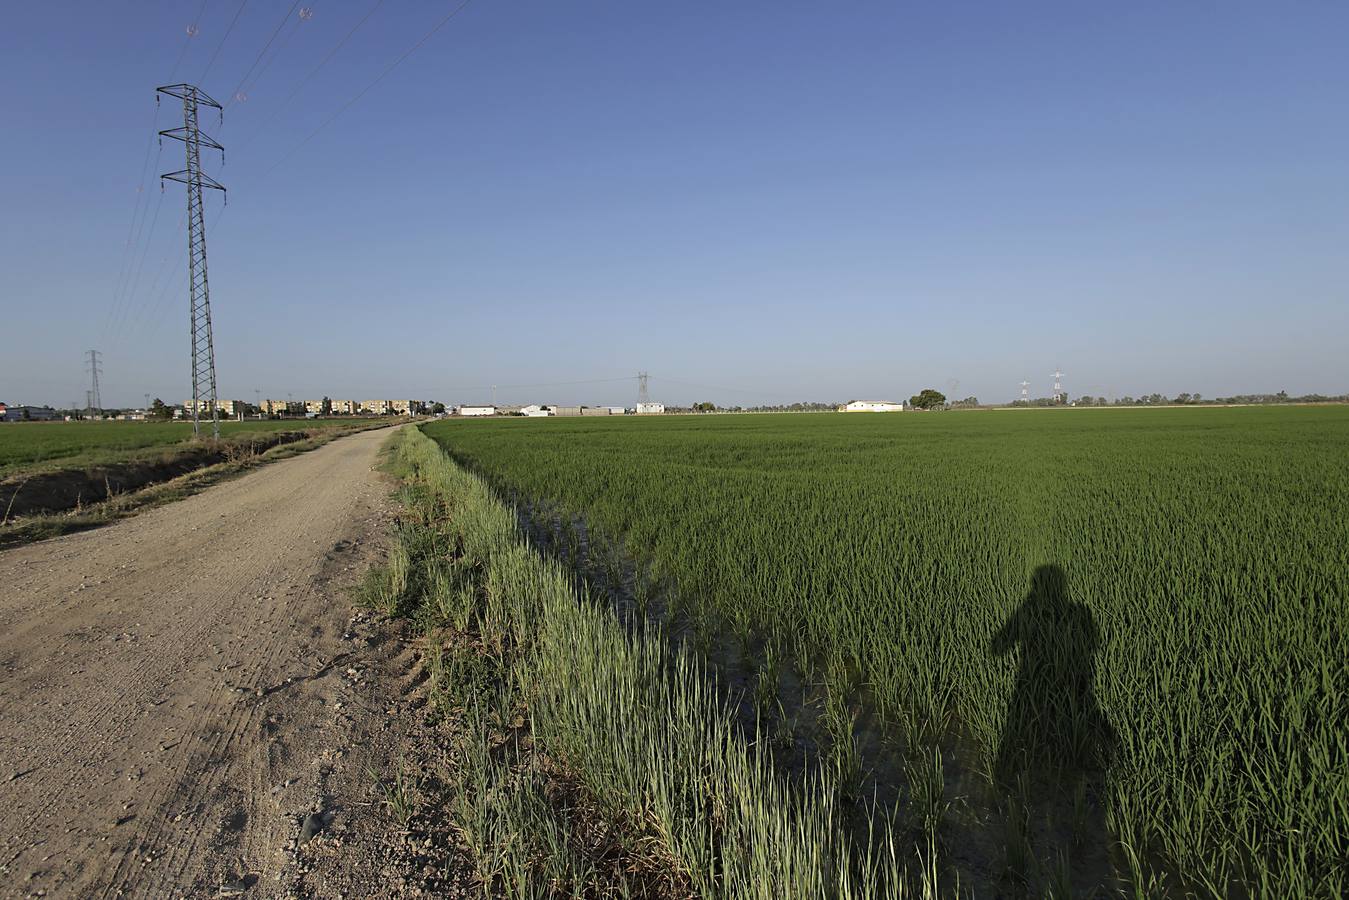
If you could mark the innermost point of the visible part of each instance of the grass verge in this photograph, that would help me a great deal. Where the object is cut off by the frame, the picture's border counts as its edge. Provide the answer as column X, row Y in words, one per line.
column 592, row 760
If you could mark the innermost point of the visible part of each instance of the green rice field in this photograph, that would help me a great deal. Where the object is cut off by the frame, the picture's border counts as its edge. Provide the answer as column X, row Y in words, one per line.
column 1118, row 636
column 45, row 445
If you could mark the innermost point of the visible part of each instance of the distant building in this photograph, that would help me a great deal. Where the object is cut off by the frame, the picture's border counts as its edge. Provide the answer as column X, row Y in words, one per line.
column 27, row 413
column 594, row 410
column 345, row 407
column 228, row 408
column 535, row 411
column 616, row 410
column 480, row 410
column 377, row 407
column 650, row 409
column 566, row 410
column 407, row 407
column 313, row 407
column 279, row 407
column 871, row 406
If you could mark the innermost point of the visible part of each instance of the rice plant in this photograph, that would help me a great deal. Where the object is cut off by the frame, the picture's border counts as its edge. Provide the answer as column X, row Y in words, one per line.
column 1141, row 612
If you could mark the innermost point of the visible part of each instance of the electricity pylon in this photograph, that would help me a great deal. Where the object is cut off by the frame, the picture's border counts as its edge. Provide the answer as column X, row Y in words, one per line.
column 199, row 294
column 643, row 395
column 95, row 370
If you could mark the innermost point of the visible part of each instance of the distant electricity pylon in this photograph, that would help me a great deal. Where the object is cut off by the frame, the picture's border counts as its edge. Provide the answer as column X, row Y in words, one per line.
column 643, row 395
column 95, row 369
column 1058, row 386
column 199, row 294
column 1025, row 394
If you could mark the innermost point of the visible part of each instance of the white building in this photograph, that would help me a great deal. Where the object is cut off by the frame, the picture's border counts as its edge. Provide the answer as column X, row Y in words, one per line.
column 616, row 410
column 477, row 410
column 871, row 406
column 650, row 409
column 535, row 411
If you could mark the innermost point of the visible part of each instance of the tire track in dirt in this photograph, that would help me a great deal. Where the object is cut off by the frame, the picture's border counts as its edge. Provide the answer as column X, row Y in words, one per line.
column 167, row 711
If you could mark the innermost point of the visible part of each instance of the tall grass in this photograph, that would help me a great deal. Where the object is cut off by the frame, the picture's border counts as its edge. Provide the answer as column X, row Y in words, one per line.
column 635, row 725
column 1203, row 558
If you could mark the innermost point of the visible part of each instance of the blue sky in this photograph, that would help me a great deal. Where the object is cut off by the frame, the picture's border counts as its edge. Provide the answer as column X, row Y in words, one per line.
column 774, row 201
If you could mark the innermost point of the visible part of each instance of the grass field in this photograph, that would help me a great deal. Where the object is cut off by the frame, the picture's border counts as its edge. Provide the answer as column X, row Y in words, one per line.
column 1132, row 619
column 43, row 445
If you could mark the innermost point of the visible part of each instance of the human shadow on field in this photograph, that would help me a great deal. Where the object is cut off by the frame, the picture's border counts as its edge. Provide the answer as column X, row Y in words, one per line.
column 1057, row 745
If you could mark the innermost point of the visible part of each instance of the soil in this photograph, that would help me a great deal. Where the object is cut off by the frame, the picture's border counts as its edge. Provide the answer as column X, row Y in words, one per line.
column 190, row 705
column 69, row 488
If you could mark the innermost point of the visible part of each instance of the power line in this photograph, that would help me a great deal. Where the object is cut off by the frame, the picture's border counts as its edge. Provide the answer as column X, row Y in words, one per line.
column 312, row 72
column 369, row 87
column 149, row 304
column 226, row 37
column 135, row 282
column 306, row 13
column 257, row 59
column 128, row 252
column 133, row 228
column 191, row 33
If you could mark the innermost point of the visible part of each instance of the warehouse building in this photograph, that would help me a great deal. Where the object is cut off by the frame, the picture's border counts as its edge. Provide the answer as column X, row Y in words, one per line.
column 650, row 409
column 871, row 406
column 482, row 409
column 26, row 413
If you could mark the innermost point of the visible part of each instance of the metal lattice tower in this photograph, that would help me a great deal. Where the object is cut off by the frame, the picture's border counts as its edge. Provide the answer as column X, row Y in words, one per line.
column 1058, row 385
column 1025, row 394
column 95, row 369
column 199, row 294
column 643, row 395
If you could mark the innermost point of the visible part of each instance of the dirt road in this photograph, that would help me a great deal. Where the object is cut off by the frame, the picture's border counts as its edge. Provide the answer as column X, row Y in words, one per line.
column 179, row 691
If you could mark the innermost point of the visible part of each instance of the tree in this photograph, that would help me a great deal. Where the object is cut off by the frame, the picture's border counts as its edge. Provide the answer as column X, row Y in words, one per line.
column 326, row 407
column 159, row 411
column 928, row 399
column 704, row 407
column 437, row 407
